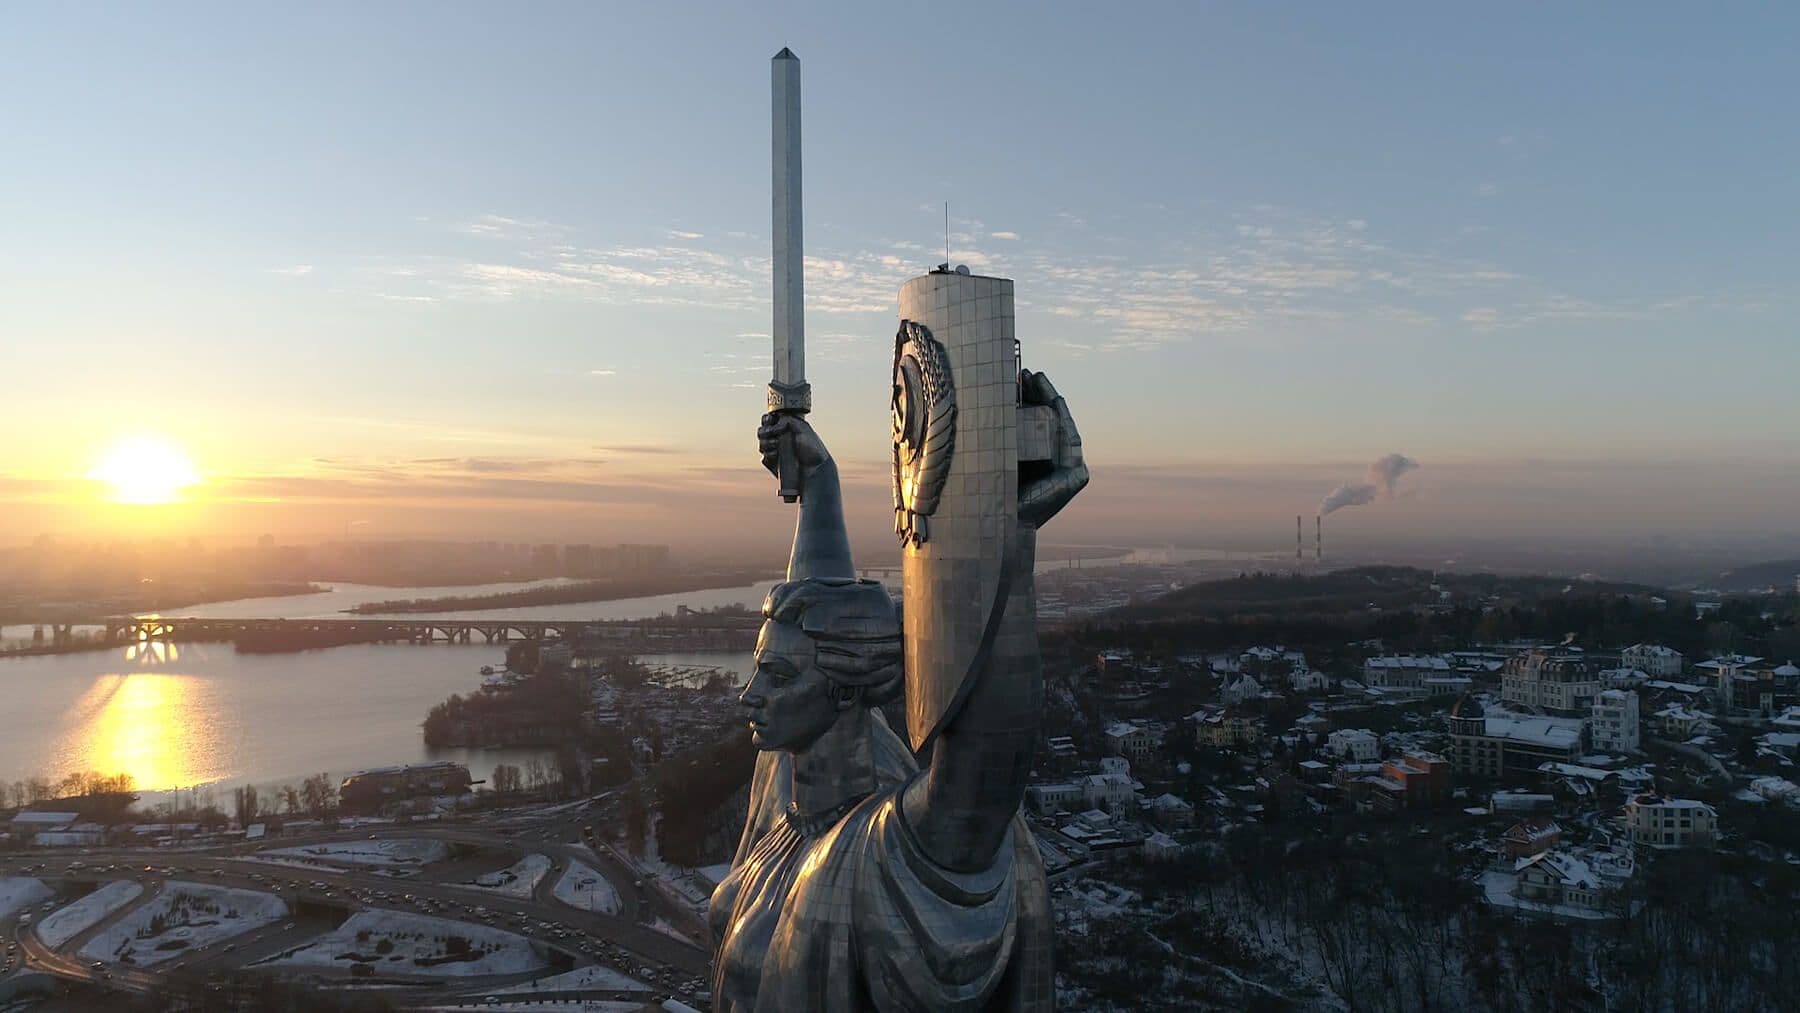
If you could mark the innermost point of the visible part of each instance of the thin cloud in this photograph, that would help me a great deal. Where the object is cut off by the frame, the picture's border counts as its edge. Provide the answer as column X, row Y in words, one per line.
column 502, row 227
column 1003, row 235
column 293, row 271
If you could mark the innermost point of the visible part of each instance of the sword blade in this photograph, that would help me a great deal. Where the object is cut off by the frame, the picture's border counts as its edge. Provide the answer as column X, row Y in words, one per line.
column 789, row 250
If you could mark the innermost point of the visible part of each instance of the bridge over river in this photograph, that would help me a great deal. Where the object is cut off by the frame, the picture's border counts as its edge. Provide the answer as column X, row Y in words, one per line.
column 425, row 630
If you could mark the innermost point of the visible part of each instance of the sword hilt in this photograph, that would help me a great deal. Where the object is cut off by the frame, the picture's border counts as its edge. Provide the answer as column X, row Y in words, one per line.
column 788, row 469
column 786, row 399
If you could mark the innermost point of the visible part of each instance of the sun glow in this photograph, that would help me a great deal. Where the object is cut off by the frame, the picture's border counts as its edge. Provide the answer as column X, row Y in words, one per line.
column 143, row 723
column 145, row 470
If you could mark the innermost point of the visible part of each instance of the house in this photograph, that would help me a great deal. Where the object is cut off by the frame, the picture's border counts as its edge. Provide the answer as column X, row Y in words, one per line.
column 1520, row 802
column 1270, row 660
column 1586, row 881
column 1500, row 744
column 1682, row 723
column 1130, row 741
column 1404, row 671
column 1614, row 725
column 1660, row 822
column 1245, row 688
column 29, row 826
column 1171, row 812
column 1358, row 745
column 1773, row 789
column 1221, row 731
column 1061, row 748
column 1050, row 799
column 1111, row 792
column 1530, row 836
column 1654, row 660
column 1160, row 847
column 75, row 835
column 1415, row 780
column 1304, row 679
column 1554, row 679
column 1781, row 743
column 1622, row 678
column 1740, row 683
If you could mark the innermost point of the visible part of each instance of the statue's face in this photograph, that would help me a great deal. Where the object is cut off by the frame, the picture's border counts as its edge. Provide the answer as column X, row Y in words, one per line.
column 788, row 701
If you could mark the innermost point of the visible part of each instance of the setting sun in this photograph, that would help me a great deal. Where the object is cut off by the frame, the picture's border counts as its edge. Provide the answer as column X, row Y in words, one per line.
column 145, row 470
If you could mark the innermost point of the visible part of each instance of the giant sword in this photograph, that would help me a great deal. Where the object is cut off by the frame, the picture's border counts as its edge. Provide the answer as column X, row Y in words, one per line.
column 789, row 393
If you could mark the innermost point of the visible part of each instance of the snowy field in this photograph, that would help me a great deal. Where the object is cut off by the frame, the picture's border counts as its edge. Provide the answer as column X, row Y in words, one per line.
column 583, row 887
column 592, row 978
column 397, row 943
column 518, row 880
column 64, row 924
column 185, row 916
column 20, row 892
column 397, row 855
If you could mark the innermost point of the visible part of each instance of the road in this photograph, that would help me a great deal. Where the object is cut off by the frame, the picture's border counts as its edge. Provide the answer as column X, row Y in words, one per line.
column 667, row 964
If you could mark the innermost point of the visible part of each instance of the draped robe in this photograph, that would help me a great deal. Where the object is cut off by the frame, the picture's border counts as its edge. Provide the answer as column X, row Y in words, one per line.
column 849, row 913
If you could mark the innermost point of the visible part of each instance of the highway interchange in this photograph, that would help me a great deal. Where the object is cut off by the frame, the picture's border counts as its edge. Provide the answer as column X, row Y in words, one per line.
column 655, row 938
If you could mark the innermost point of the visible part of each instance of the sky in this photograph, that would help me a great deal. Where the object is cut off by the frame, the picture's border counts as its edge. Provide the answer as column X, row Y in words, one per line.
column 503, row 272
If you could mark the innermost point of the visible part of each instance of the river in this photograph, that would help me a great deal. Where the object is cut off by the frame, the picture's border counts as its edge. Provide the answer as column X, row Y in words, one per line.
column 185, row 715
column 191, row 714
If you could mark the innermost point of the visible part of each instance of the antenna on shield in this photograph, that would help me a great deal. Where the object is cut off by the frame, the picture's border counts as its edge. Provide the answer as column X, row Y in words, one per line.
column 946, row 235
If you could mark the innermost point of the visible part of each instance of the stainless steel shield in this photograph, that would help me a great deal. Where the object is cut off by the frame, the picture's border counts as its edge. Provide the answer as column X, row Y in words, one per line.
column 956, row 466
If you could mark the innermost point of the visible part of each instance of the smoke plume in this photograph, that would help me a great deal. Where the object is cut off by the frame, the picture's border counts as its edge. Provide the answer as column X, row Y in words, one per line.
column 1378, row 484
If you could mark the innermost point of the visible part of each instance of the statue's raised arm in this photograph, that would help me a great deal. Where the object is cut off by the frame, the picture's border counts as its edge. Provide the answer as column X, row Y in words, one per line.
column 980, row 757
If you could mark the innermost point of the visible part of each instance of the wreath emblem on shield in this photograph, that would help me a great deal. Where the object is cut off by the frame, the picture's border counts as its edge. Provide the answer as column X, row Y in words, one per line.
column 923, row 411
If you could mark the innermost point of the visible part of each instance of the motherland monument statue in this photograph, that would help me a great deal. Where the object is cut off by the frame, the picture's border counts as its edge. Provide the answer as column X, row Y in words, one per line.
column 876, row 872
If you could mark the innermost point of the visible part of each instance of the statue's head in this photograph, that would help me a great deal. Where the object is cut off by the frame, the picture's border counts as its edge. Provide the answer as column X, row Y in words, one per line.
column 826, row 646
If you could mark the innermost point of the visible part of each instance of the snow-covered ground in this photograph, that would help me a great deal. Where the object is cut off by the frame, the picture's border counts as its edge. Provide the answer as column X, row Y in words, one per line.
column 592, row 1006
column 185, row 916
column 20, row 892
column 662, row 925
column 396, row 943
column 590, row 978
column 583, row 887
column 402, row 853
column 64, row 924
column 517, row 880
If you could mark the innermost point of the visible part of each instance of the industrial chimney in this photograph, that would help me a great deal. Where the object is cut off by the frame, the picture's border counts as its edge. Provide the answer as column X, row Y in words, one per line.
column 1299, row 552
column 1318, row 539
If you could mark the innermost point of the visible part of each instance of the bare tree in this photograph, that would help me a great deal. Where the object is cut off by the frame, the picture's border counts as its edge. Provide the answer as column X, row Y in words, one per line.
column 290, row 799
column 319, row 793
column 245, row 803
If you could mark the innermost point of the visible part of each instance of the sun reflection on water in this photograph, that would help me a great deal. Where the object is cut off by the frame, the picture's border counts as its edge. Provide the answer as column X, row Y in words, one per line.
column 152, row 724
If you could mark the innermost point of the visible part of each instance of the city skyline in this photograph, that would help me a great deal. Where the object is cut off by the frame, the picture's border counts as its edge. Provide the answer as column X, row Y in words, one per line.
column 475, row 275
